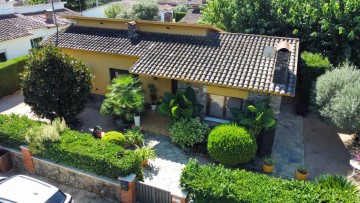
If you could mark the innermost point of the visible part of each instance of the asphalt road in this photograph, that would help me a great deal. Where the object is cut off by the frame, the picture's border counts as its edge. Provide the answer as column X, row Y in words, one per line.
column 79, row 196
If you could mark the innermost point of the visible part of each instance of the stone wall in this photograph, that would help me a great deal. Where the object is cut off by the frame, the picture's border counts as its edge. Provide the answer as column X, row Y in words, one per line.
column 101, row 186
column 200, row 94
column 275, row 100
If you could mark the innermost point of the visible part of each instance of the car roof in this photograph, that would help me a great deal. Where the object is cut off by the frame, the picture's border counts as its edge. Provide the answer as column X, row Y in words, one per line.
column 30, row 189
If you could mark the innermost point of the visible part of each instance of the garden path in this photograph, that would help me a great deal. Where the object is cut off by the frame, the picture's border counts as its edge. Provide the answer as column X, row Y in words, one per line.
column 288, row 148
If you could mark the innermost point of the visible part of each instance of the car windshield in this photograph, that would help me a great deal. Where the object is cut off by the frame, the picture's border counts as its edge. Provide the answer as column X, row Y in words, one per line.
column 58, row 197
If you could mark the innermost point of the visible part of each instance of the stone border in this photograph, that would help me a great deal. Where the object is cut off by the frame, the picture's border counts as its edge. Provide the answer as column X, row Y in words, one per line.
column 69, row 176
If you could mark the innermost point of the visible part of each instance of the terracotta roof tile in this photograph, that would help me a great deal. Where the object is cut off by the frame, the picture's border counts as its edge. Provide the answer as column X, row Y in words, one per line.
column 192, row 16
column 224, row 59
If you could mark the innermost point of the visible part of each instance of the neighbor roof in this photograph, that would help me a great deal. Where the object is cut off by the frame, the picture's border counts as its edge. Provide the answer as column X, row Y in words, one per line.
column 223, row 59
column 20, row 25
column 192, row 16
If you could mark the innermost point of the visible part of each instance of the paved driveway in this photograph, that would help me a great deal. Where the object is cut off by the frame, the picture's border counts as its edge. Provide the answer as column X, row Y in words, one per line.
column 79, row 196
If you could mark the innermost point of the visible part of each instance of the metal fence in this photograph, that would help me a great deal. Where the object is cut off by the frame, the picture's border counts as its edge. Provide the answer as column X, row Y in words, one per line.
column 149, row 194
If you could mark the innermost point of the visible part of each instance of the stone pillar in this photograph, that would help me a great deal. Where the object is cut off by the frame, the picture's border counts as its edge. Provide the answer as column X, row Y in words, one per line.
column 275, row 103
column 177, row 199
column 28, row 160
column 128, row 189
column 199, row 91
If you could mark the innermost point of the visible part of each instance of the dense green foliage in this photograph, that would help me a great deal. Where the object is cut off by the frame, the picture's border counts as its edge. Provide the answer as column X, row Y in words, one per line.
column 113, row 10
column 75, row 149
column 82, row 151
column 213, row 184
column 181, row 105
column 9, row 75
column 255, row 118
column 187, row 132
column 115, row 137
column 55, row 84
column 336, row 183
column 323, row 26
column 179, row 15
column 134, row 136
column 145, row 153
column 13, row 129
column 336, row 97
column 230, row 144
column 312, row 66
column 126, row 98
column 38, row 136
column 141, row 10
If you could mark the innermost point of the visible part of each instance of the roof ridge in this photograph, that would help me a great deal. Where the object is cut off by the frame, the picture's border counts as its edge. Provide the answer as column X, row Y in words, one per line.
column 258, row 35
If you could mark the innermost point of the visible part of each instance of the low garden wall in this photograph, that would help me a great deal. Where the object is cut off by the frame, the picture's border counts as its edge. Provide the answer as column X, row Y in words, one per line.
column 101, row 186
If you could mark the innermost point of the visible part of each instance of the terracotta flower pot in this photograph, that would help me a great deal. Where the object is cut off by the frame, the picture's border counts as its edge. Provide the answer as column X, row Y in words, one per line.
column 301, row 176
column 144, row 162
column 5, row 162
column 267, row 168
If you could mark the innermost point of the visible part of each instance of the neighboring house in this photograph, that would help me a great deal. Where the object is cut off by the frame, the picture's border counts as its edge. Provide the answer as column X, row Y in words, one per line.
column 192, row 16
column 23, row 27
column 166, row 9
column 225, row 69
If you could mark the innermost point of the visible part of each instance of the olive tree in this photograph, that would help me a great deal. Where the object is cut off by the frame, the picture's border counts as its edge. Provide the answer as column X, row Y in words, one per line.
column 142, row 10
column 55, row 84
column 113, row 10
column 336, row 96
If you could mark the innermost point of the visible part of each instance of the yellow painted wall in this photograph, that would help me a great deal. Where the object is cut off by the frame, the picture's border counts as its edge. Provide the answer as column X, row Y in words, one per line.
column 100, row 65
column 145, row 26
column 163, row 85
column 225, row 91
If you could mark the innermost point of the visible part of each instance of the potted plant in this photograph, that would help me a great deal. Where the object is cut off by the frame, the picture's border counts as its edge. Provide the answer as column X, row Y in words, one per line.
column 268, row 164
column 145, row 153
column 134, row 137
column 301, row 173
column 5, row 162
column 153, row 95
column 125, row 100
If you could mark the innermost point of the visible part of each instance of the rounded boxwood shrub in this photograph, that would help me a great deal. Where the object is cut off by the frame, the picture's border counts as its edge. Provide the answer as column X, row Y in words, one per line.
column 230, row 144
column 187, row 132
column 115, row 137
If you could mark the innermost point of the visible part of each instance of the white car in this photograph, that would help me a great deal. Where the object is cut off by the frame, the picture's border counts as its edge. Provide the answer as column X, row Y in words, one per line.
column 21, row 189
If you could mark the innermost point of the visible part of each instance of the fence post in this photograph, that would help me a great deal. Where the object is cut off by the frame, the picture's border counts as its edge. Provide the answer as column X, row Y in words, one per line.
column 128, row 189
column 177, row 199
column 27, row 159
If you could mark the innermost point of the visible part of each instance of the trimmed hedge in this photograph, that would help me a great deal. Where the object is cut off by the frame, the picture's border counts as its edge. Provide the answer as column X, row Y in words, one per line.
column 230, row 144
column 82, row 151
column 75, row 149
column 13, row 129
column 312, row 66
column 9, row 75
column 210, row 183
column 115, row 137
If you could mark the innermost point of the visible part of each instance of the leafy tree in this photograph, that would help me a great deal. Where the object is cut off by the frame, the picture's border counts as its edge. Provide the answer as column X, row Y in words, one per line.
column 336, row 97
column 327, row 27
column 142, row 10
column 113, row 10
column 55, row 84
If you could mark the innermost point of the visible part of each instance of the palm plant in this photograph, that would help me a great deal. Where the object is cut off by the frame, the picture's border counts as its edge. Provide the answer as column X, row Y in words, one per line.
column 126, row 98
